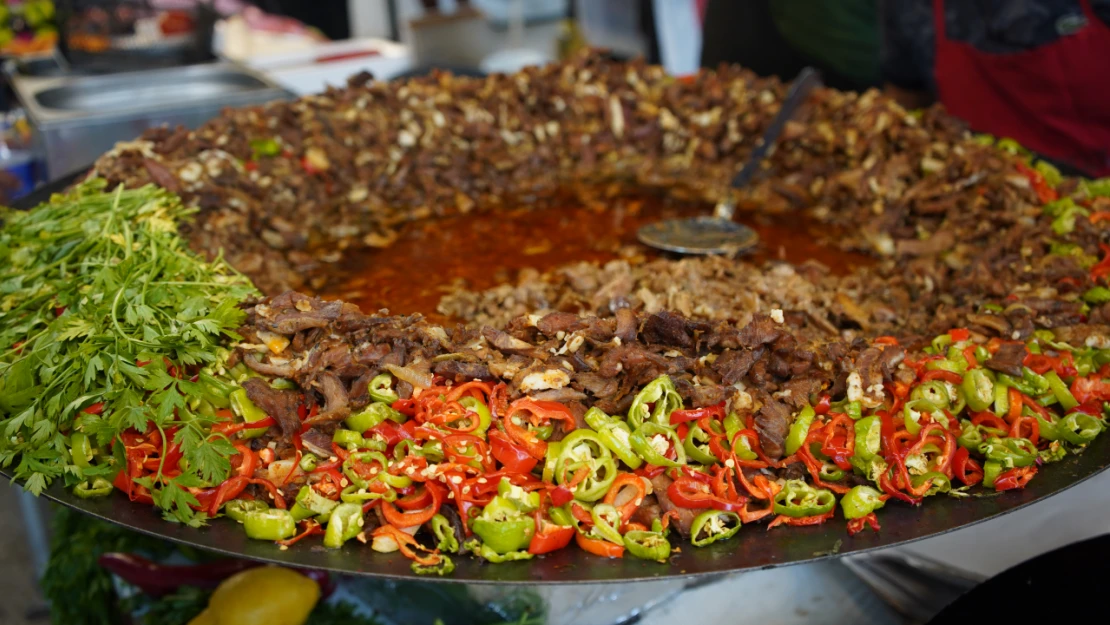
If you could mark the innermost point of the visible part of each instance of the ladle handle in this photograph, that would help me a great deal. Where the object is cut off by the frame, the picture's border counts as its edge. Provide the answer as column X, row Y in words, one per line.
column 799, row 90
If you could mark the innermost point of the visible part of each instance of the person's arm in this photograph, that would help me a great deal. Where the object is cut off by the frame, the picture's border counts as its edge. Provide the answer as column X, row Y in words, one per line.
column 906, row 51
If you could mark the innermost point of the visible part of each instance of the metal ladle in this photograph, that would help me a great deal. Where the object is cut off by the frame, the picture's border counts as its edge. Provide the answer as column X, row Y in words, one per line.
column 719, row 234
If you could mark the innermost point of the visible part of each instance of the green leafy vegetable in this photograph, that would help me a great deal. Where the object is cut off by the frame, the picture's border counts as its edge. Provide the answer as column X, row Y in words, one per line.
column 103, row 306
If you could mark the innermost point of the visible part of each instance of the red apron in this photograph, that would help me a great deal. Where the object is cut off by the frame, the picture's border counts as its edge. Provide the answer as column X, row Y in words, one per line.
column 1054, row 99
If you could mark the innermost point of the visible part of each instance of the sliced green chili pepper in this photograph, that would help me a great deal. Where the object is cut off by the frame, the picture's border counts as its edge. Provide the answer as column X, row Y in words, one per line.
column 1055, row 453
column 1001, row 398
column 444, row 567
column 742, row 447
column 940, row 482
column 647, row 545
column 373, row 415
column 270, row 524
column 300, row 512
column 98, row 487
column 551, row 459
column 265, row 147
column 1010, row 452
column 314, row 501
column 475, row 405
column 1035, row 384
column 713, row 525
column 991, row 470
column 503, row 527
column 912, row 413
column 344, row 524
column 1060, row 390
column 829, row 472
column 371, row 457
column 971, row 436
column 308, row 462
column 697, row 446
column 81, row 449
column 733, row 424
column 869, row 438
column 483, row 550
column 381, row 389
column 283, row 384
column 614, row 434
column 360, row 495
column 348, row 438
column 242, row 406
column 444, row 533
column 947, row 364
column 940, row 343
column 561, row 516
column 978, row 389
column 799, row 430
column 606, row 521
column 1048, row 430
column 934, row 392
column 583, row 449
column 798, row 499
column 238, row 509
column 1079, row 429
column 664, row 398
column 524, row 501
column 861, row 501
column 648, row 442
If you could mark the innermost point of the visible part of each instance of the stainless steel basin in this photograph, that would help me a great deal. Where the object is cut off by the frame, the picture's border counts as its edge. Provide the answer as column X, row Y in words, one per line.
column 166, row 88
column 80, row 118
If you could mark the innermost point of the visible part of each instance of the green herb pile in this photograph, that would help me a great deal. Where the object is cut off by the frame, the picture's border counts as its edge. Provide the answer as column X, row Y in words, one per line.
column 101, row 302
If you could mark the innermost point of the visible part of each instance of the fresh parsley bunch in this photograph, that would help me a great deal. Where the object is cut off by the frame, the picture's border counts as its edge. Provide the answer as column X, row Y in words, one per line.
column 101, row 301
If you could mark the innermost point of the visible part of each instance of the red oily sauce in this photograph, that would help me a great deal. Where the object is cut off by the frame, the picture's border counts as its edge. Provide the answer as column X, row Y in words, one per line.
column 480, row 250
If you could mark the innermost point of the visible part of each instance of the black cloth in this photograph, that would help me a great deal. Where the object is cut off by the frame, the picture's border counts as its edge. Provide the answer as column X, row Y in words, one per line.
column 744, row 32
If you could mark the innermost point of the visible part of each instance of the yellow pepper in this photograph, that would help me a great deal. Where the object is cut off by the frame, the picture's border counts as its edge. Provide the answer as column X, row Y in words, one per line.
column 267, row 595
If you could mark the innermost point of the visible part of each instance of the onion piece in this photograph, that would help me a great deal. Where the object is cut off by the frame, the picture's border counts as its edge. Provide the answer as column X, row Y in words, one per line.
column 410, row 375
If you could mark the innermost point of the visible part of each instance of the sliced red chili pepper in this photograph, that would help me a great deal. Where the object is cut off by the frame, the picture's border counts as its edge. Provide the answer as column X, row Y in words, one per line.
column 1039, row 363
column 417, row 517
column 311, row 528
column 561, row 496
column 601, row 548
column 989, row 420
column 631, row 504
column 714, row 411
column 1026, row 424
column 942, row 374
column 94, row 408
column 511, row 456
column 818, row 519
column 824, row 404
column 966, row 469
column 969, row 356
column 856, row 526
column 1014, row 478
column 959, row 334
column 650, row 471
column 1016, row 400
column 1102, row 267
column 1045, row 192
column 549, row 536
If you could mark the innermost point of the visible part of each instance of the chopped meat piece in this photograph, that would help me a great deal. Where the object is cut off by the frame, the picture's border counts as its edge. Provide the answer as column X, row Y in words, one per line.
column 460, row 371
column 772, row 422
column 279, row 404
column 1008, row 359
column 666, row 328
column 685, row 520
column 317, row 441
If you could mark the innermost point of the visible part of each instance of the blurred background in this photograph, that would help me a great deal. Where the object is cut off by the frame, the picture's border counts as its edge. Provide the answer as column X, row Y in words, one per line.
column 81, row 75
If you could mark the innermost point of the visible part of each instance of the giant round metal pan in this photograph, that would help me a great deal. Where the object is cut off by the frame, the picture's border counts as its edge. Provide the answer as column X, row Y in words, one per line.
column 753, row 548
